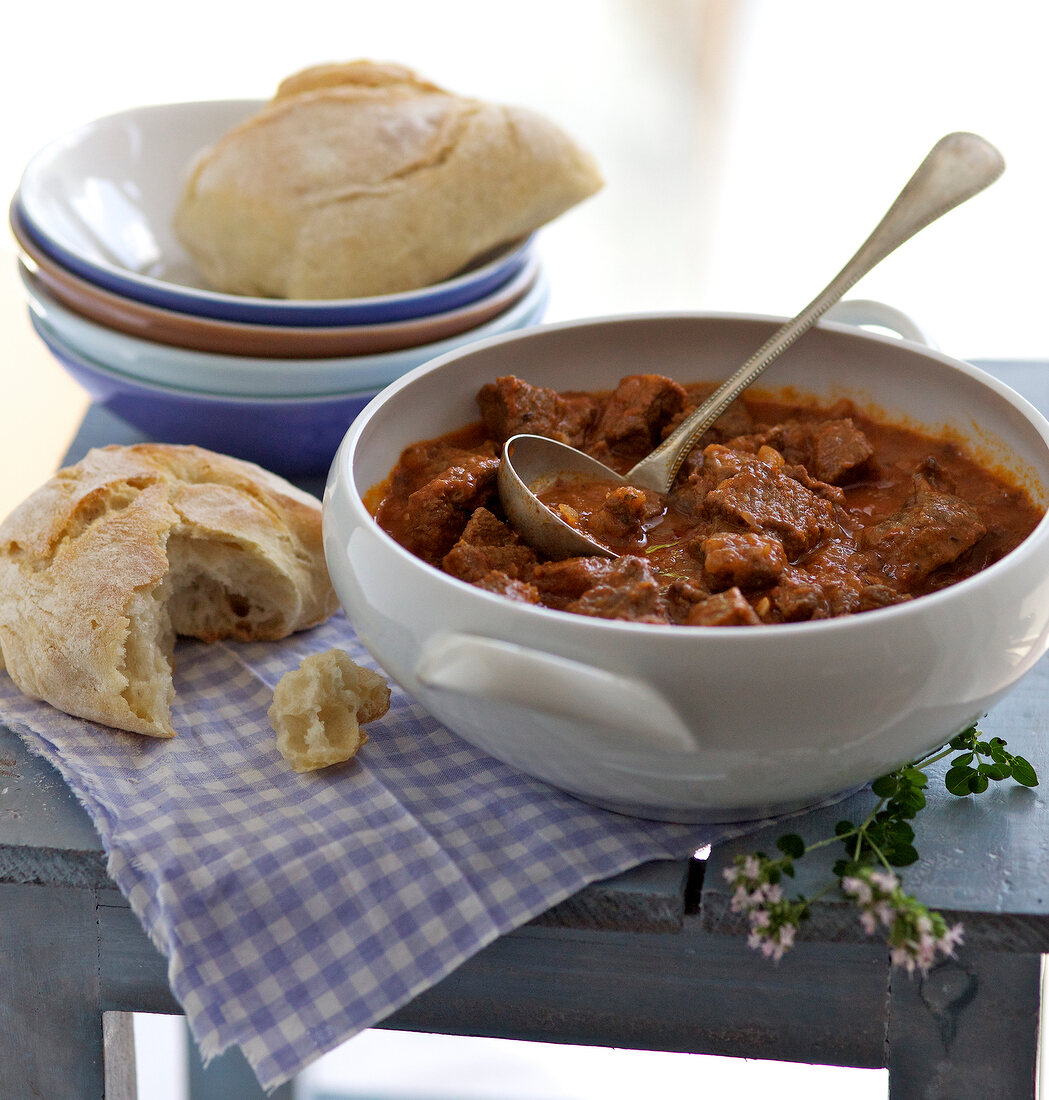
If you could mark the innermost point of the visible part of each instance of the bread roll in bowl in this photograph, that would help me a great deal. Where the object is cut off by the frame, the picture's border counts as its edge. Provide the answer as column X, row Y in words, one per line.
column 112, row 558
column 362, row 179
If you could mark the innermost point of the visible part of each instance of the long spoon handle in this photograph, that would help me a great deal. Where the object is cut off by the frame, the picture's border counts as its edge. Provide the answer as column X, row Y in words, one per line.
column 957, row 167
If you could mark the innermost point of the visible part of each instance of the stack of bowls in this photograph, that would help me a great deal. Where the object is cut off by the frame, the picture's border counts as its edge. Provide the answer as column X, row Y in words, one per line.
column 118, row 302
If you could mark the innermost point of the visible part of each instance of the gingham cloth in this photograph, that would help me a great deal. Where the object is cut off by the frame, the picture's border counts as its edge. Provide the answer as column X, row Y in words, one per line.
column 297, row 910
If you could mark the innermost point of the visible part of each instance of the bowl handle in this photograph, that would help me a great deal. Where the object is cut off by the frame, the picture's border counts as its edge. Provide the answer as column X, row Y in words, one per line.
column 865, row 311
column 505, row 672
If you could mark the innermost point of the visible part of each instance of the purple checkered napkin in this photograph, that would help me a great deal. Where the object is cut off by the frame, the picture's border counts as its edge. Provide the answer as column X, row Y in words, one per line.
column 297, row 910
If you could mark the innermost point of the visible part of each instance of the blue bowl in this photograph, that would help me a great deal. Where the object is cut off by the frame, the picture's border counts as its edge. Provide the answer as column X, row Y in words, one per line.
column 295, row 437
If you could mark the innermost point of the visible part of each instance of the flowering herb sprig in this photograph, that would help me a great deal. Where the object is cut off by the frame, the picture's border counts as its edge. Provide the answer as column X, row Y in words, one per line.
column 916, row 935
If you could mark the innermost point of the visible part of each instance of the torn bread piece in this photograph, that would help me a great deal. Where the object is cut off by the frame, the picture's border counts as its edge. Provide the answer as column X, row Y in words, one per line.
column 319, row 708
column 104, row 565
column 361, row 179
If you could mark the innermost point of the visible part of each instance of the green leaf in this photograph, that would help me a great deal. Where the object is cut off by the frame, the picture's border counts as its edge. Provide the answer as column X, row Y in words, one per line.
column 791, row 845
column 1024, row 773
column 996, row 771
column 957, row 780
column 902, row 856
column 907, row 804
column 978, row 784
column 885, row 786
column 965, row 739
column 843, row 828
column 965, row 758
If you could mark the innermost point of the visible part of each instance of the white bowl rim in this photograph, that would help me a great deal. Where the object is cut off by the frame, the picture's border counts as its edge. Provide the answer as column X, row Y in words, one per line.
column 37, row 162
column 733, row 635
column 53, row 340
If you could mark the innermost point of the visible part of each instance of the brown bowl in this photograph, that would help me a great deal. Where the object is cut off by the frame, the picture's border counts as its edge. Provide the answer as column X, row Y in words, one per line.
column 197, row 333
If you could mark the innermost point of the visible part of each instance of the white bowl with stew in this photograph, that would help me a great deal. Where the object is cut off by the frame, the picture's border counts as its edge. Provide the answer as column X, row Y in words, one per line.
column 695, row 723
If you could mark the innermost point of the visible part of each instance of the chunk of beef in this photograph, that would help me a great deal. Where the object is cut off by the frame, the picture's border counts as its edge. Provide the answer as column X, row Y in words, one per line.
column 436, row 514
column 839, row 451
column 873, row 596
column 833, row 493
column 561, row 582
column 489, row 545
column 510, row 406
column 797, row 598
column 637, row 410
column 508, row 587
column 771, row 502
column 742, row 560
column 630, row 591
column 834, row 451
column 792, row 438
column 709, row 468
column 728, row 608
column 680, row 596
column 622, row 514
column 422, row 462
column 933, row 530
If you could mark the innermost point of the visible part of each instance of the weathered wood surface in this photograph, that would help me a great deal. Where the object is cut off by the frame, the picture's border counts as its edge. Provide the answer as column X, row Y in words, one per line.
column 968, row 1029
column 50, row 1019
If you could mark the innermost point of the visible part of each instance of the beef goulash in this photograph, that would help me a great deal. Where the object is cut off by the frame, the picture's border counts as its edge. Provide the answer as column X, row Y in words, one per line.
column 782, row 512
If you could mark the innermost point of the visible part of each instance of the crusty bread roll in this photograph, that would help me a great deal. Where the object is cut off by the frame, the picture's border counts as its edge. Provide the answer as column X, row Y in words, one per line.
column 361, row 179
column 112, row 558
column 318, row 709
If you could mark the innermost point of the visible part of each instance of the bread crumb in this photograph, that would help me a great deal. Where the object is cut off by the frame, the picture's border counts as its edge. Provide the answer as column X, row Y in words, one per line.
column 318, row 709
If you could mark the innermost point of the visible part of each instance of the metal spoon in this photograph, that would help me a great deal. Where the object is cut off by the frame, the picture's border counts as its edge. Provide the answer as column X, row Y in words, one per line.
column 957, row 167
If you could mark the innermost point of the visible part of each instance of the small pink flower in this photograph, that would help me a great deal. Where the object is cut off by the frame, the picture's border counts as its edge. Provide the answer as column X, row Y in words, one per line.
column 858, row 888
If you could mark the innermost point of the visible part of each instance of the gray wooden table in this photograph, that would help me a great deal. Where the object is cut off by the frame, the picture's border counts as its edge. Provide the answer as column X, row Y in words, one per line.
column 653, row 959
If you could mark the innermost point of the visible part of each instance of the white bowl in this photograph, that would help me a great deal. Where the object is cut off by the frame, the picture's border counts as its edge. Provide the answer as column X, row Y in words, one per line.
column 100, row 201
column 206, row 372
column 694, row 723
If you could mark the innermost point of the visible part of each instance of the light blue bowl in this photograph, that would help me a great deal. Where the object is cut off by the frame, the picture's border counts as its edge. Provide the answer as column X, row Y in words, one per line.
column 295, row 437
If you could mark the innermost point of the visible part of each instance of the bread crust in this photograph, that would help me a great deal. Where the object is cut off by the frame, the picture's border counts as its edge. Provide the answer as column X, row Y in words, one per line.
column 103, row 565
column 362, row 179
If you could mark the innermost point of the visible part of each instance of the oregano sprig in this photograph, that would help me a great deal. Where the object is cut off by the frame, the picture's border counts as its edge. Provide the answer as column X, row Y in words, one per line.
column 882, row 841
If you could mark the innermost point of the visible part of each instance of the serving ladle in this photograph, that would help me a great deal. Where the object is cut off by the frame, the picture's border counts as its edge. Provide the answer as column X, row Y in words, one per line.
column 957, row 167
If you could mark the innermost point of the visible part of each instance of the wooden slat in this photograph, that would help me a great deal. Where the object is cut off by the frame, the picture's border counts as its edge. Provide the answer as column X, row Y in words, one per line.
column 968, row 1030
column 649, row 898
column 50, row 1007
column 674, row 992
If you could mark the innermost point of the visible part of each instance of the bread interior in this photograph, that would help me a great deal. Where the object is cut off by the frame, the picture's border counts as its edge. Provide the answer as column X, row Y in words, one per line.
column 148, row 652
column 219, row 590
